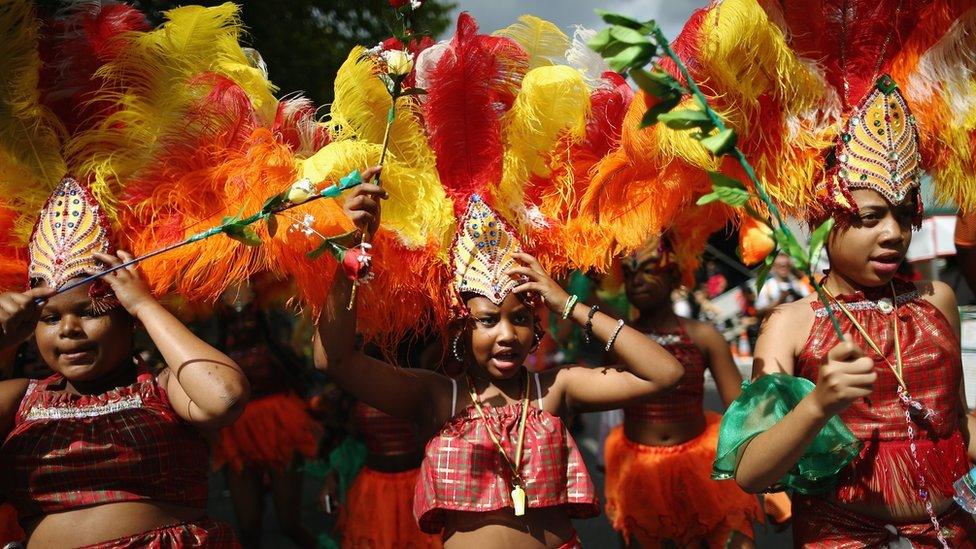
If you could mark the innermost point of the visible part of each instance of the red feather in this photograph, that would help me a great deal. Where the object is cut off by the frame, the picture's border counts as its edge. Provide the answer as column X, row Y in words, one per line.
column 75, row 44
column 469, row 90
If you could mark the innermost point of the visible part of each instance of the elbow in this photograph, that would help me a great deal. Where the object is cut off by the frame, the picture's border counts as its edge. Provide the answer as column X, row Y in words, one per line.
column 750, row 484
column 234, row 393
column 672, row 374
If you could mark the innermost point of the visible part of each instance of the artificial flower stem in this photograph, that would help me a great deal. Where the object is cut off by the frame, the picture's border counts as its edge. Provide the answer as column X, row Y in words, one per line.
column 203, row 235
column 663, row 43
column 390, row 117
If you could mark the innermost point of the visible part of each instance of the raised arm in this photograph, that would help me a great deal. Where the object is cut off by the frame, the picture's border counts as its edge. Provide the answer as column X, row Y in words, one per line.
column 396, row 391
column 205, row 387
column 645, row 367
column 846, row 376
column 19, row 313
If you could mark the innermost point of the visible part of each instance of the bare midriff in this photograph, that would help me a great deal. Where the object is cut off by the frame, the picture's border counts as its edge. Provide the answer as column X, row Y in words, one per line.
column 663, row 433
column 105, row 522
column 538, row 529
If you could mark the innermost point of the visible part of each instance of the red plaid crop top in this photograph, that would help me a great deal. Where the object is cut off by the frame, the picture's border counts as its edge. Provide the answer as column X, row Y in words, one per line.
column 684, row 401
column 70, row 451
column 383, row 434
column 463, row 471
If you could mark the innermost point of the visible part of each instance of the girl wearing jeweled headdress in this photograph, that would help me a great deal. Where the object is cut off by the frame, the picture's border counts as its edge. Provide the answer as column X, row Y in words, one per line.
column 476, row 177
column 841, row 105
column 117, row 136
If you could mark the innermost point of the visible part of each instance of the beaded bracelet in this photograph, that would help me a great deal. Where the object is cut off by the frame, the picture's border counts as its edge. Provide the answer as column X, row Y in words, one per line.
column 570, row 303
column 588, row 328
column 620, row 326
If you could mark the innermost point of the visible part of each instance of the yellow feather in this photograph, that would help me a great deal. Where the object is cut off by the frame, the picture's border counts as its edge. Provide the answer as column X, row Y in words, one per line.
column 553, row 103
column 540, row 38
column 417, row 209
column 31, row 163
column 358, row 122
column 150, row 84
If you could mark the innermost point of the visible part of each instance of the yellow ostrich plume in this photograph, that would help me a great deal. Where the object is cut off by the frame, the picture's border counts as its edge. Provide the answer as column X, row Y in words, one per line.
column 30, row 135
column 418, row 210
column 151, row 83
column 541, row 39
column 552, row 103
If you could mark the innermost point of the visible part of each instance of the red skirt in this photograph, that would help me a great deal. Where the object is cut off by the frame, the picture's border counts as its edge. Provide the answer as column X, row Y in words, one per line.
column 821, row 524
column 268, row 435
column 200, row 533
column 657, row 493
column 378, row 513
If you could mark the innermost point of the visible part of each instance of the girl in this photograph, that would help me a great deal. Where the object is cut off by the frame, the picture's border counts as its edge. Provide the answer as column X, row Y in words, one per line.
column 105, row 453
column 658, row 463
column 500, row 469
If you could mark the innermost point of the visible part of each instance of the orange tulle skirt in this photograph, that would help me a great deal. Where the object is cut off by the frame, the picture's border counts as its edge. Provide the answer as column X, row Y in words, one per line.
column 268, row 435
column 657, row 493
column 378, row 513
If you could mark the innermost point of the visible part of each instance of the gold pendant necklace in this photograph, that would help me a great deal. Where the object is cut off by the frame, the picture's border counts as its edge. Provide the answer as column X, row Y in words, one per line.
column 518, row 486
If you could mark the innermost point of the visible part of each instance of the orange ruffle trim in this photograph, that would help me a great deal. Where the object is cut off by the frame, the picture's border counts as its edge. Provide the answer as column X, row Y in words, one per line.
column 657, row 493
column 378, row 512
column 268, row 435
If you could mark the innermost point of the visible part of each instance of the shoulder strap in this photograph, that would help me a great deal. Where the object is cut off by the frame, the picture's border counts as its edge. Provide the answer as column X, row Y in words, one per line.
column 538, row 390
column 453, row 396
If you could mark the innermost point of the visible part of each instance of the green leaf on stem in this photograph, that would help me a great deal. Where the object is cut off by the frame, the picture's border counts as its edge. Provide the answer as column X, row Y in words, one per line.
column 725, row 189
column 818, row 238
column 413, row 91
column 632, row 56
column 624, row 21
column 274, row 202
column 628, row 36
column 272, row 222
column 657, row 83
column 242, row 233
column 721, row 143
column 327, row 245
column 664, row 106
column 684, row 119
column 763, row 274
column 787, row 242
column 601, row 41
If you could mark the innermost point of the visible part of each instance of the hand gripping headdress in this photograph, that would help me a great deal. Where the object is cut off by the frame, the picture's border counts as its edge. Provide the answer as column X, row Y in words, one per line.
column 477, row 168
column 108, row 126
column 825, row 96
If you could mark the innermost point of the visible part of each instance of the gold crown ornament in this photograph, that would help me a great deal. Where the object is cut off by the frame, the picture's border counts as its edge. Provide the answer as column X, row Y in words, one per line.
column 483, row 251
column 71, row 228
column 877, row 150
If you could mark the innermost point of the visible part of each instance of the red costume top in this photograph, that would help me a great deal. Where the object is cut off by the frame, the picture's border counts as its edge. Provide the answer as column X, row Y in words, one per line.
column 246, row 338
column 383, row 434
column 885, row 472
column 69, row 451
column 463, row 470
column 684, row 401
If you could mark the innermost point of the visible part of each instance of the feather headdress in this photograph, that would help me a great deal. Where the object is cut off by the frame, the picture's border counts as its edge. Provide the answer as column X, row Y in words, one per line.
column 493, row 159
column 169, row 129
column 825, row 96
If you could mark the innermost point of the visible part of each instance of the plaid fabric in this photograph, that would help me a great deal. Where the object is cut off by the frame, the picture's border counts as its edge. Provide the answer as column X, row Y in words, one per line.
column 201, row 533
column 885, row 472
column 69, row 451
column 245, row 341
column 385, row 435
column 684, row 401
column 820, row 524
column 463, row 471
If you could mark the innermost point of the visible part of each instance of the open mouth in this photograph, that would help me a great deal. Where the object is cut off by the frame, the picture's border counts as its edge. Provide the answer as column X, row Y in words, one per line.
column 506, row 360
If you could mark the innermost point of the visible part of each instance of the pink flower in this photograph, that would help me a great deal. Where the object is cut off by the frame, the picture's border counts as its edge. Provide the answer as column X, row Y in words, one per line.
column 397, row 4
column 356, row 263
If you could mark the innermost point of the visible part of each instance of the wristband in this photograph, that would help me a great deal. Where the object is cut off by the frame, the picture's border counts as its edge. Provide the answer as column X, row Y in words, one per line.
column 570, row 303
column 588, row 328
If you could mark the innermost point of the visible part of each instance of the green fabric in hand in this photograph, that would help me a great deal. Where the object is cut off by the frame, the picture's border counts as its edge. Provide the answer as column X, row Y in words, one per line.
column 764, row 403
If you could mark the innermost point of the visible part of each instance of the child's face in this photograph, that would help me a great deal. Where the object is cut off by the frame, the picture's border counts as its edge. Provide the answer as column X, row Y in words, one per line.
column 868, row 247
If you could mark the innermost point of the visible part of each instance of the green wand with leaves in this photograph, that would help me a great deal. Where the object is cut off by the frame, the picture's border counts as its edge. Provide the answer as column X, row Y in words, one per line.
column 631, row 45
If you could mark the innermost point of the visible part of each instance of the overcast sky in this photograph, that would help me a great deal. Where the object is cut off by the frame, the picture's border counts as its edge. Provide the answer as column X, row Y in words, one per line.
column 495, row 14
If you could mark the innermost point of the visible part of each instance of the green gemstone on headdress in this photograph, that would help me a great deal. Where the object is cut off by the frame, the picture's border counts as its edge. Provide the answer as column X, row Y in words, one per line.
column 886, row 84
column 846, row 137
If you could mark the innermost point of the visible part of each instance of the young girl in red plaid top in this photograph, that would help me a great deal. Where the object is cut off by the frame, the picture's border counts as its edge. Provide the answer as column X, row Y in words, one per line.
column 501, row 469
column 105, row 453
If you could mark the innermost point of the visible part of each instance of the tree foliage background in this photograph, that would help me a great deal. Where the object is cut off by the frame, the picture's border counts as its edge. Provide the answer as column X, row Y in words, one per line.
column 305, row 41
